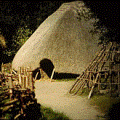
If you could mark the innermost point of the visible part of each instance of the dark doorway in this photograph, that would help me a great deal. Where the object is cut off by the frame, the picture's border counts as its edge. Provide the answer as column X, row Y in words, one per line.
column 47, row 66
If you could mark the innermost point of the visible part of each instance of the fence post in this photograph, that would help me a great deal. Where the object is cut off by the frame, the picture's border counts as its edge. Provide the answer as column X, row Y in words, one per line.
column 31, row 81
column 52, row 73
column 22, row 81
column 26, row 81
column 19, row 75
column 10, row 87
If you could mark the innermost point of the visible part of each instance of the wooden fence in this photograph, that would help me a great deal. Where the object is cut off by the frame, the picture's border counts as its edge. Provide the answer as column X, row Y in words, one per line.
column 17, row 88
column 104, row 70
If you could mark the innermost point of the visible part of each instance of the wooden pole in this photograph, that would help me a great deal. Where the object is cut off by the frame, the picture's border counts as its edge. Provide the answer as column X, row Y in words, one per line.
column 36, row 75
column 93, row 86
column 19, row 74
column 10, row 87
column 26, row 79
column 31, row 81
column 52, row 73
column 22, row 81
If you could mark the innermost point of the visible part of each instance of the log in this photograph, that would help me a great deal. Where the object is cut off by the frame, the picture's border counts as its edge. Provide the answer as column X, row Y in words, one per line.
column 11, row 102
column 17, row 116
column 7, row 108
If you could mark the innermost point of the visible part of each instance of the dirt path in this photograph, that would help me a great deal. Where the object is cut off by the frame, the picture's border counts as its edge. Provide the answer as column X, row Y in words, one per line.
column 54, row 95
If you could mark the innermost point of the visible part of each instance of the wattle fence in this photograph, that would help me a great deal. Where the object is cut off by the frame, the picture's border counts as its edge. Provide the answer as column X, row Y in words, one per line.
column 16, row 91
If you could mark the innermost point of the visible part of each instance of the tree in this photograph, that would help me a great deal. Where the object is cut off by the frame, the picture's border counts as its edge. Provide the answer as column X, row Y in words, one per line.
column 20, row 37
column 2, row 42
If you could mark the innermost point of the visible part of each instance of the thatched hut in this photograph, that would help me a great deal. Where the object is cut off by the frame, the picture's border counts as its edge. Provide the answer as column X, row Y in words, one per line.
column 62, row 42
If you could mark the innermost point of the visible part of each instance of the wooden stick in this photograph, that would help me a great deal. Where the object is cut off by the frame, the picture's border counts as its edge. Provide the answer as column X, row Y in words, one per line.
column 14, row 72
column 31, row 81
column 17, row 116
column 36, row 75
column 52, row 73
column 10, row 82
column 26, row 81
column 93, row 86
column 11, row 102
column 6, row 108
column 74, row 85
column 22, row 81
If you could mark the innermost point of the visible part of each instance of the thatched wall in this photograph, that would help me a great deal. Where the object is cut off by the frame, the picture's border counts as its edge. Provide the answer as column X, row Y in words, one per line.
column 63, row 39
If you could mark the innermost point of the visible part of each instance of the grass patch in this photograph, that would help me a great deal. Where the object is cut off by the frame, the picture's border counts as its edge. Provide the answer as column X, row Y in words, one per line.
column 49, row 114
column 108, row 105
column 104, row 102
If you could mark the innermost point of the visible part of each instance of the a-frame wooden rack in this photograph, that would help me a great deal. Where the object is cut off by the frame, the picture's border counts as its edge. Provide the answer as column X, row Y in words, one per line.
column 104, row 67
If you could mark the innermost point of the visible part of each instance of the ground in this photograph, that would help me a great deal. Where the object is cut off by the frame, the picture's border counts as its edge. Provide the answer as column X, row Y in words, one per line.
column 55, row 95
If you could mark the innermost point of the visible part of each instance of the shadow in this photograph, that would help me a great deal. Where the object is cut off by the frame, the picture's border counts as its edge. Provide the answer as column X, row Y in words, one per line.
column 33, row 112
column 64, row 75
column 114, row 112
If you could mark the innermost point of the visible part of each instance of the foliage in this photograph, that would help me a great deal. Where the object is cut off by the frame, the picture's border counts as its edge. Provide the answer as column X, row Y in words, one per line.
column 20, row 37
column 2, row 42
column 85, row 15
column 105, row 104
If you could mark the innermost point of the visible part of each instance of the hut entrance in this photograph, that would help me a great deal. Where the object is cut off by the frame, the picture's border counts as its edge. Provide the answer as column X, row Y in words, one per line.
column 46, row 68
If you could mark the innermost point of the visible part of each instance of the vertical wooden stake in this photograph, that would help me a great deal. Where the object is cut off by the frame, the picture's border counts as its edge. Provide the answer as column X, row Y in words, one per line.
column 10, row 87
column 19, row 75
column 52, row 73
column 36, row 75
column 31, row 81
column 26, row 81
column 21, row 81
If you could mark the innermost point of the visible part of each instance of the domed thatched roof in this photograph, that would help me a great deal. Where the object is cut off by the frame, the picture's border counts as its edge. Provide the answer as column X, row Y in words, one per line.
column 61, row 39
